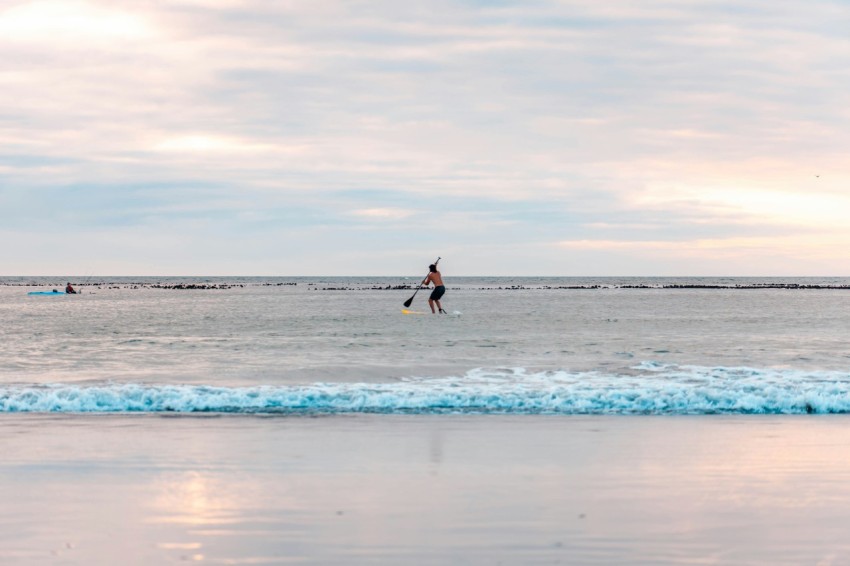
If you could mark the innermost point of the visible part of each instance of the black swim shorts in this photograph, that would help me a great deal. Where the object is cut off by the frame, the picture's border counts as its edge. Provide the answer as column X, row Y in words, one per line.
column 438, row 292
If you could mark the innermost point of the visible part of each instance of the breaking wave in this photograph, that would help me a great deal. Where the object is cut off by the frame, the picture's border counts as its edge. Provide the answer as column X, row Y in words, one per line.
column 647, row 389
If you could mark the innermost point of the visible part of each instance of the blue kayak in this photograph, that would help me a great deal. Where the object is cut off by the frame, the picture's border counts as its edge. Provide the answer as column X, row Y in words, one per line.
column 46, row 293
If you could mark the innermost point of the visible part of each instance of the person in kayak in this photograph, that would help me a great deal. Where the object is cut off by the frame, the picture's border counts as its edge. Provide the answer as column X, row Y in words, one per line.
column 70, row 290
column 439, row 289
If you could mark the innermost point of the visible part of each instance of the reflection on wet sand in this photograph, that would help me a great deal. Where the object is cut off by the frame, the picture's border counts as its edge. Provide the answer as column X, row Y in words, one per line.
column 191, row 498
column 432, row 490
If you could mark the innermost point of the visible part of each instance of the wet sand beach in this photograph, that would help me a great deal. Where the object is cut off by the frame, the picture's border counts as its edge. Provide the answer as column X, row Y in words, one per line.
column 424, row 489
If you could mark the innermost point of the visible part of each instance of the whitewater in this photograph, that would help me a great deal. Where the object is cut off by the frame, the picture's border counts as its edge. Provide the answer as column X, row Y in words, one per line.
column 674, row 390
column 526, row 346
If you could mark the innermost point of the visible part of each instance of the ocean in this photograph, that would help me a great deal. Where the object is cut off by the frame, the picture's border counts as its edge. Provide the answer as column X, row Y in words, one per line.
column 279, row 420
column 508, row 345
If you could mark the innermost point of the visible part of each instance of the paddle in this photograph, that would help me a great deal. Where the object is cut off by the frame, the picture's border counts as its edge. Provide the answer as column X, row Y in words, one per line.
column 410, row 300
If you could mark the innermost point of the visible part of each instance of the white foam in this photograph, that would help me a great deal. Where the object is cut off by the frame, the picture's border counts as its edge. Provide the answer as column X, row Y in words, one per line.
column 654, row 389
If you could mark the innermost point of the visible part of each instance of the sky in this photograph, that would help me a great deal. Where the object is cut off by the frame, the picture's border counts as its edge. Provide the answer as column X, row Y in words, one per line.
column 318, row 137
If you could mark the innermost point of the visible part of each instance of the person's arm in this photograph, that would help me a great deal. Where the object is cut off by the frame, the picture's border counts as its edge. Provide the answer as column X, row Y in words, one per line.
column 427, row 280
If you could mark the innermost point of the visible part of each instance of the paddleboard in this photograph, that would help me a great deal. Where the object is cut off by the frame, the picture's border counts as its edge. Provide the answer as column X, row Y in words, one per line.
column 50, row 293
column 406, row 311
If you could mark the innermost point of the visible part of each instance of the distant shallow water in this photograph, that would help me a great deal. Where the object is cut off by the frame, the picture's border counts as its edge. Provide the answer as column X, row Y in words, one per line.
column 290, row 333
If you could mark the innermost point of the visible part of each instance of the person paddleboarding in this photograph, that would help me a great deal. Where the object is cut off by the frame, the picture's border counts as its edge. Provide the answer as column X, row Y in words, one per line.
column 439, row 289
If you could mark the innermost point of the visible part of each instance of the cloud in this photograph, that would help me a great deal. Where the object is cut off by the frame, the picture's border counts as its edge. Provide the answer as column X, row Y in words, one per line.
column 500, row 127
column 200, row 143
column 386, row 213
column 54, row 20
column 738, row 246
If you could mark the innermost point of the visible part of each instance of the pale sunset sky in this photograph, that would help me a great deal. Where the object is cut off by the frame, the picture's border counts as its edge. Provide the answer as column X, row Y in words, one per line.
column 277, row 137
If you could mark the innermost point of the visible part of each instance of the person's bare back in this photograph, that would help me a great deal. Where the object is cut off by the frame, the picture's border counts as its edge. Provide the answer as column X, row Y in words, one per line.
column 439, row 289
column 435, row 278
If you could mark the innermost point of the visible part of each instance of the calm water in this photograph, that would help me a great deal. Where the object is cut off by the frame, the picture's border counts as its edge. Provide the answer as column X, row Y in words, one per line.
column 524, row 345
